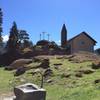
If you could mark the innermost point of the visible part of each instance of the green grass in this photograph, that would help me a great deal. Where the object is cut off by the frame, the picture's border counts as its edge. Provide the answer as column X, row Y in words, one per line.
column 5, row 79
column 72, row 88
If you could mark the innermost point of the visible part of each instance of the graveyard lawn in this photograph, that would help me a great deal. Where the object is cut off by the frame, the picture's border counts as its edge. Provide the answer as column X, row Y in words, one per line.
column 63, row 84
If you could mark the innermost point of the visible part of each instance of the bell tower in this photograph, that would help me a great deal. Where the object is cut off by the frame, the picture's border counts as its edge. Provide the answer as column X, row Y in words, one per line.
column 63, row 36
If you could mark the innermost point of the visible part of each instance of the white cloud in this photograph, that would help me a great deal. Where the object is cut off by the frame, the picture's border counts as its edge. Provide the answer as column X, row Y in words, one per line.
column 58, row 42
column 5, row 38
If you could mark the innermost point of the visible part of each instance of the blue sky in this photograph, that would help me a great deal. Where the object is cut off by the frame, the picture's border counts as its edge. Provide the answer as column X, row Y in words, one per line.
column 36, row 16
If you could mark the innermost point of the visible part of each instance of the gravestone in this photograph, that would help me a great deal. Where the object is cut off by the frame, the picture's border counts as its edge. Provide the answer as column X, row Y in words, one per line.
column 29, row 91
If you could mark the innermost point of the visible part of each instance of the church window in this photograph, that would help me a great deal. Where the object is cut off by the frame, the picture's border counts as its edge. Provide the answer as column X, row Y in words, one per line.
column 81, row 42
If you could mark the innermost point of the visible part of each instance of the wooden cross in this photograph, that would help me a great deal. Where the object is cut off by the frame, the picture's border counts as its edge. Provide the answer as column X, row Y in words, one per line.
column 43, row 35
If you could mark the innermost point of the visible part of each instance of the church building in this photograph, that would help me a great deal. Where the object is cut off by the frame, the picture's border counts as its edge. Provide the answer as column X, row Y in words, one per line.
column 81, row 42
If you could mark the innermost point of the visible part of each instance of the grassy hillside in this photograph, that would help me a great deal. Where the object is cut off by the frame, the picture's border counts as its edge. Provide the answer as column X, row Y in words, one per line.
column 65, row 84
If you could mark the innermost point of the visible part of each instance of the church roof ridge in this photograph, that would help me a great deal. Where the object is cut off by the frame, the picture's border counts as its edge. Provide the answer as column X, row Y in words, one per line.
column 81, row 34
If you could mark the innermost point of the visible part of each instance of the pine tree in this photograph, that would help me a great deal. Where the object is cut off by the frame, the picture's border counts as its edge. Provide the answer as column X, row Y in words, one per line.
column 23, row 35
column 13, row 37
column 24, row 39
column 1, row 30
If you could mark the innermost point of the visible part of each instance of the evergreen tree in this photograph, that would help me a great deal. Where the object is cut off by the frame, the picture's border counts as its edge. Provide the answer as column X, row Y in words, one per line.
column 24, row 39
column 13, row 37
column 1, row 30
column 23, row 35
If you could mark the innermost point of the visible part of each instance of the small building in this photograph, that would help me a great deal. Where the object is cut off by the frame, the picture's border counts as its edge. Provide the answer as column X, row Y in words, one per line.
column 81, row 42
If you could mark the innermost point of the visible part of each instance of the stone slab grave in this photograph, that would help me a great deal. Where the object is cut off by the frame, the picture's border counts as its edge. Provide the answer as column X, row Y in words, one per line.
column 29, row 91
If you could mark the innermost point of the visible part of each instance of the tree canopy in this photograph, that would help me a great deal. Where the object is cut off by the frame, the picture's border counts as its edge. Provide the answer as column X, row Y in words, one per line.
column 13, row 37
column 1, row 29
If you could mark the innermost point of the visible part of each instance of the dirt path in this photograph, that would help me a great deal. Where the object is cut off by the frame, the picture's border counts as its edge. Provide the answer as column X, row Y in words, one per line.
column 6, row 96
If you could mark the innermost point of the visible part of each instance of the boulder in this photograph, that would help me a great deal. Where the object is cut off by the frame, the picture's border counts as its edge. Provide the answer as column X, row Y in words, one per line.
column 36, row 60
column 86, row 71
column 97, row 81
column 65, row 75
column 20, row 71
column 18, row 63
column 45, row 64
column 57, row 65
column 83, row 56
column 79, row 74
column 49, row 81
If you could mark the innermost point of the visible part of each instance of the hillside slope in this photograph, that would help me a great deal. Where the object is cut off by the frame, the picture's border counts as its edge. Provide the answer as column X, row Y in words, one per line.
column 69, row 81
